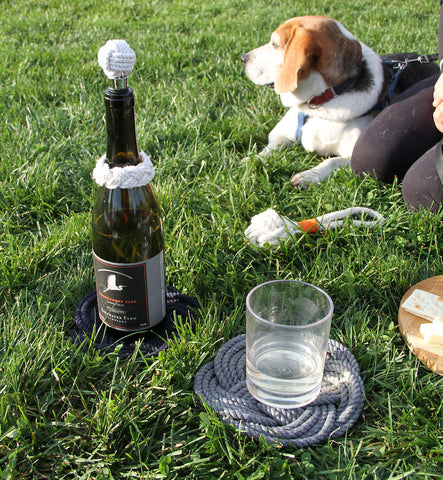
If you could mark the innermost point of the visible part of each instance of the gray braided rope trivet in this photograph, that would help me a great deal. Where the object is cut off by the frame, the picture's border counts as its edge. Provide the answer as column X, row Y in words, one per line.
column 221, row 384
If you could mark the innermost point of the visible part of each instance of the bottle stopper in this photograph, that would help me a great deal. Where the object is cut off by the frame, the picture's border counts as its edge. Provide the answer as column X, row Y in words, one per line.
column 117, row 60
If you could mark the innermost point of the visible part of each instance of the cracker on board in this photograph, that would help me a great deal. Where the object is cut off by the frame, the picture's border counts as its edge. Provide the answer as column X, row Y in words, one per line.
column 424, row 304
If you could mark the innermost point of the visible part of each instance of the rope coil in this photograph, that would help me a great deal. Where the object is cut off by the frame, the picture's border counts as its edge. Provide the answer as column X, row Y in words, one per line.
column 221, row 384
column 129, row 176
column 88, row 326
column 270, row 228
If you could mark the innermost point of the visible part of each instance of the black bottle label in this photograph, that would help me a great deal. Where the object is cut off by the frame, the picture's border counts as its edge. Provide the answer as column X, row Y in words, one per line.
column 130, row 296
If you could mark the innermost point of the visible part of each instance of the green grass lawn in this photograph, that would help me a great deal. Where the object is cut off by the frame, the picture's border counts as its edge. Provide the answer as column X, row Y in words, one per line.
column 70, row 413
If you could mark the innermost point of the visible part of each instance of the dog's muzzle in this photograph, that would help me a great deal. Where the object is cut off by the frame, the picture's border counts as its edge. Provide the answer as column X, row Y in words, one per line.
column 244, row 60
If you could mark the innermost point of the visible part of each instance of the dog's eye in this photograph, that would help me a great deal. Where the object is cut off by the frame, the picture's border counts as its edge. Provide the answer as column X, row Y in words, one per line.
column 275, row 45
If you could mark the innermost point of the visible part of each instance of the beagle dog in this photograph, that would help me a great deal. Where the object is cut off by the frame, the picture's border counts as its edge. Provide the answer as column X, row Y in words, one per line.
column 332, row 83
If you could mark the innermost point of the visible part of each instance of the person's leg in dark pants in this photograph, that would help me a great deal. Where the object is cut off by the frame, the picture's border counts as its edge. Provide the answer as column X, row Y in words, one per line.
column 422, row 186
column 399, row 135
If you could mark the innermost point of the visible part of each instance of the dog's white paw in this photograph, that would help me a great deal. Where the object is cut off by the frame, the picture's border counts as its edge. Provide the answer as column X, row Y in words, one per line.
column 306, row 178
column 319, row 173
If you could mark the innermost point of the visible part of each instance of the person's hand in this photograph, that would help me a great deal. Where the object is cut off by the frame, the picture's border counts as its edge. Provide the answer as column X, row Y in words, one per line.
column 438, row 103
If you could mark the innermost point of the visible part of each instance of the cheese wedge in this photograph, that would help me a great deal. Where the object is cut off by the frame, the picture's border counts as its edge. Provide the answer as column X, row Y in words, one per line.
column 432, row 333
column 439, row 321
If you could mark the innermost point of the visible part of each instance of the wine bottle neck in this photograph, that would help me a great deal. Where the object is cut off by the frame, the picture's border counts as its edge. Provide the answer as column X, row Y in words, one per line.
column 120, row 127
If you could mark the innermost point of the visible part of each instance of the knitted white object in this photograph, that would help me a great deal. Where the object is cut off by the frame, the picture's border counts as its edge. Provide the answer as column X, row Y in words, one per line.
column 124, row 177
column 116, row 58
column 271, row 228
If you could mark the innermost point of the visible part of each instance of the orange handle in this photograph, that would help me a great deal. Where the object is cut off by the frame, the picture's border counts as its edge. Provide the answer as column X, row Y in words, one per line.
column 310, row 225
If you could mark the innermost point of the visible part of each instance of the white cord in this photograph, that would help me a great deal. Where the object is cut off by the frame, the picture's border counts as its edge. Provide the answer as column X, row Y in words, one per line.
column 271, row 228
column 124, row 177
column 333, row 220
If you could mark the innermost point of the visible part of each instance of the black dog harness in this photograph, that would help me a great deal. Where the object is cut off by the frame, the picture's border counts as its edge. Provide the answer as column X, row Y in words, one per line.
column 396, row 68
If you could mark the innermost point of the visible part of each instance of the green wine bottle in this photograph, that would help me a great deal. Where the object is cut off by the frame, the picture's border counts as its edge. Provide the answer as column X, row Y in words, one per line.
column 127, row 231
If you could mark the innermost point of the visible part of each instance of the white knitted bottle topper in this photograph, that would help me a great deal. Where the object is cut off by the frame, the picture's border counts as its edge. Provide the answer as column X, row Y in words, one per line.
column 117, row 60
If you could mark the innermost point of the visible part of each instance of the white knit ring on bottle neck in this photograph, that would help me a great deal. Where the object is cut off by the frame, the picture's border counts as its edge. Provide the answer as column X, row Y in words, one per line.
column 129, row 176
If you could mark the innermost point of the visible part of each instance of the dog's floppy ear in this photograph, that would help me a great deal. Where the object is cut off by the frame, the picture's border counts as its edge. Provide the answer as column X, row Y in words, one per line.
column 352, row 54
column 301, row 53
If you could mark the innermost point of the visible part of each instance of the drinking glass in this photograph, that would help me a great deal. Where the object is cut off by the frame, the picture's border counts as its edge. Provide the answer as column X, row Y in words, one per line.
column 287, row 332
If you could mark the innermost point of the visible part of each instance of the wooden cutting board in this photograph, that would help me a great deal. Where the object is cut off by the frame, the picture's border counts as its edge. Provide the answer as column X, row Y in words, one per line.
column 430, row 355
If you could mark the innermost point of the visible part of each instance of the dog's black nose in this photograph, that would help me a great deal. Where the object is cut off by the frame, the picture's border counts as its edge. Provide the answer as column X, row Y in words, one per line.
column 244, row 58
